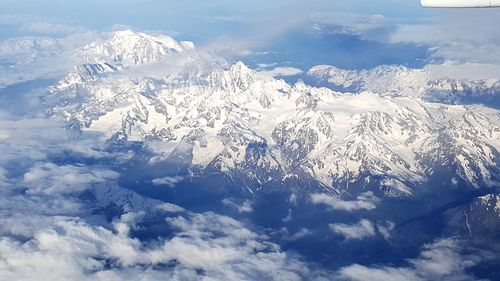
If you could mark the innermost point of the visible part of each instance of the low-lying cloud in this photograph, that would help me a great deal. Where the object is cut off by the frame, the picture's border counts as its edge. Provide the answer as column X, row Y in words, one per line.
column 244, row 207
column 363, row 229
column 441, row 260
column 365, row 201
column 282, row 71
column 53, row 228
column 358, row 231
column 48, row 178
column 168, row 181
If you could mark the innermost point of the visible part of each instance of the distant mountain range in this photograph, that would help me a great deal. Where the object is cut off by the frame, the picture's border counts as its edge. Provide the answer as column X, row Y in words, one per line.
column 400, row 81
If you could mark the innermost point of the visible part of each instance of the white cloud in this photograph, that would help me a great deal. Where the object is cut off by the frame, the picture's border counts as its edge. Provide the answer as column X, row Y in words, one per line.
column 385, row 229
column 441, row 260
column 348, row 23
column 465, row 36
column 38, row 192
column 168, row 181
column 450, row 43
column 472, row 71
column 365, row 201
column 4, row 182
column 206, row 246
column 289, row 216
column 302, row 233
column 170, row 208
column 361, row 230
column 49, row 178
column 293, row 199
column 358, row 272
column 34, row 139
column 48, row 231
column 266, row 65
column 282, row 71
column 245, row 53
column 46, row 236
column 245, row 207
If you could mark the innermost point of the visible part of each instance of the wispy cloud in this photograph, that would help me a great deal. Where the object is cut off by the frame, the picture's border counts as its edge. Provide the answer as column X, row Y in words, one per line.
column 365, row 201
column 282, row 71
column 363, row 229
column 4, row 182
column 168, row 181
column 244, row 207
column 48, row 178
column 205, row 246
column 449, row 34
column 358, row 231
column 442, row 260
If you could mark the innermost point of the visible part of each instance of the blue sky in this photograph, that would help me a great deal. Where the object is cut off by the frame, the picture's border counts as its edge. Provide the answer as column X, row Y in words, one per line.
column 380, row 32
column 194, row 18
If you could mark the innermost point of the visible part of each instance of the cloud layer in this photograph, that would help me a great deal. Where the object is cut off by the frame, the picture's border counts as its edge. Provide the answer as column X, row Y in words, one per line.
column 52, row 228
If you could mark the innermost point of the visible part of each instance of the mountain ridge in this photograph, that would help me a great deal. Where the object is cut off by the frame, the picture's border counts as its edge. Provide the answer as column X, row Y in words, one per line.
column 237, row 123
column 403, row 81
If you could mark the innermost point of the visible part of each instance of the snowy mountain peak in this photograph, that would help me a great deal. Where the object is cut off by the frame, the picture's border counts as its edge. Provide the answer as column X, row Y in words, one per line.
column 241, row 67
column 134, row 48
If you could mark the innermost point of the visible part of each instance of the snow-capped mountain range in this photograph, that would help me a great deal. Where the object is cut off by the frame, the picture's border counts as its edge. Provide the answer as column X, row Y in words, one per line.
column 407, row 82
column 258, row 131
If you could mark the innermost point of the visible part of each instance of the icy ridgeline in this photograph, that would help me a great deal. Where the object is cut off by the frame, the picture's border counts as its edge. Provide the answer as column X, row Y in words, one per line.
column 407, row 82
column 255, row 131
